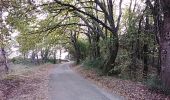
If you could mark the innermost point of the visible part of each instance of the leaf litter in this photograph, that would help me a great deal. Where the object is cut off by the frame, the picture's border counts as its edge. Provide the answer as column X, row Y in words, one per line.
column 128, row 89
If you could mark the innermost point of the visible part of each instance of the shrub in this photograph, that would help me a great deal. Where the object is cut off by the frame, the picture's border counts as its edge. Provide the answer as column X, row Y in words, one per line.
column 95, row 63
column 121, row 65
column 20, row 60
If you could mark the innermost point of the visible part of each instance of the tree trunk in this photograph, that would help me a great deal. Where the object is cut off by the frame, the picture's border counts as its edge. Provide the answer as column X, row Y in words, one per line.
column 37, row 58
column 78, row 54
column 60, row 56
column 145, row 61
column 2, row 40
column 145, row 48
column 46, row 55
column 54, row 56
column 165, row 45
column 76, row 46
column 95, row 46
column 159, row 62
column 5, row 60
column 157, row 11
column 33, row 57
column 113, row 51
column 90, row 44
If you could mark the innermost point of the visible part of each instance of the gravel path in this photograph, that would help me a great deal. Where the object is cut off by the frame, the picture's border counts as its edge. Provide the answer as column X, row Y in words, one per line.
column 65, row 84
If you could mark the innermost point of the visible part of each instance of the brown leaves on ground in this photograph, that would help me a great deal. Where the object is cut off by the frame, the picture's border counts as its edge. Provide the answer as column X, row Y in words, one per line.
column 126, row 88
column 29, row 85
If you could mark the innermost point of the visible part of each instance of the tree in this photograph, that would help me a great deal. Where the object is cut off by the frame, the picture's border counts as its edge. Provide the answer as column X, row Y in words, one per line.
column 161, row 7
column 4, row 34
column 164, row 43
column 112, row 26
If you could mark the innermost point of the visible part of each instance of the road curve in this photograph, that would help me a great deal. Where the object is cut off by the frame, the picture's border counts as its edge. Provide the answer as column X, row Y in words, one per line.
column 65, row 84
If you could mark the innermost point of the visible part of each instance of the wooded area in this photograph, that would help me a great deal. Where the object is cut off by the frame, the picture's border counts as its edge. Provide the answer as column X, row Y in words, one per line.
column 126, row 38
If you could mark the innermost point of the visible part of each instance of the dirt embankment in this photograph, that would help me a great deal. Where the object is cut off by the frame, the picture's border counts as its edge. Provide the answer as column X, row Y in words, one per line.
column 26, row 83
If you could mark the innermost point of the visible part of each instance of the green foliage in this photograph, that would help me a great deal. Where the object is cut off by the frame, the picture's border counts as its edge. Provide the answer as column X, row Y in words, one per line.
column 95, row 63
column 104, row 45
column 20, row 60
column 83, row 45
column 122, row 63
column 27, row 61
column 52, row 61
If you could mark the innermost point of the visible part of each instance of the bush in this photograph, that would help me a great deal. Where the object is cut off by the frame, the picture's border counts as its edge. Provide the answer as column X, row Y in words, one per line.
column 95, row 63
column 52, row 61
column 20, row 60
column 121, row 66
column 28, row 61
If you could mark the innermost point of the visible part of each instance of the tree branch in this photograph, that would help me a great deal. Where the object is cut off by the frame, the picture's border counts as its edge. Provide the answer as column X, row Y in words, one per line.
column 85, row 13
